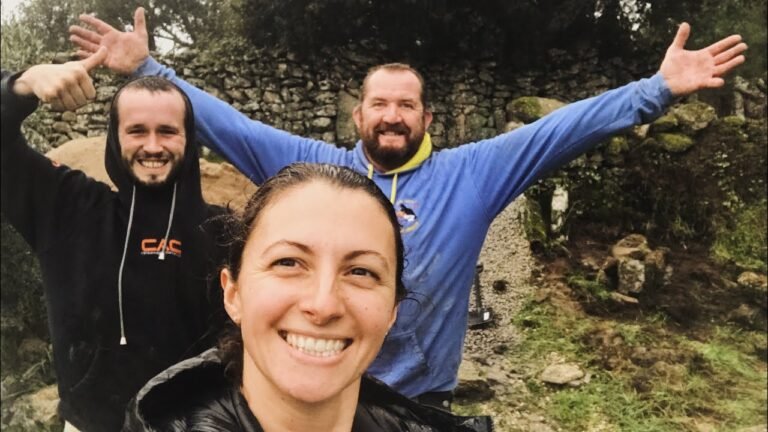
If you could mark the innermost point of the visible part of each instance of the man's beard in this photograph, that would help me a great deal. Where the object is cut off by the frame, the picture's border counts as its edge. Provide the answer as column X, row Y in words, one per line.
column 388, row 157
column 172, row 174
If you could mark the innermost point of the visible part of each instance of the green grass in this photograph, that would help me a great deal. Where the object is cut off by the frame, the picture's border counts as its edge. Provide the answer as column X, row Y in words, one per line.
column 591, row 287
column 719, row 382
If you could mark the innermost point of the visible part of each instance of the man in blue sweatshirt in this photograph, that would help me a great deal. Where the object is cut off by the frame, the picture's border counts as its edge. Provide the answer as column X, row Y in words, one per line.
column 446, row 200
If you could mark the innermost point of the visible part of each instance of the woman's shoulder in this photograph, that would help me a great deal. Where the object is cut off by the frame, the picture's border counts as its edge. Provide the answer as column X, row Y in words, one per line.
column 189, row 396
column 380, row 408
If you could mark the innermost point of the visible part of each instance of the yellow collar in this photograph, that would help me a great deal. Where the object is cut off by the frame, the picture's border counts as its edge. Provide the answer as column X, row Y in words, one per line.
column 424, row 151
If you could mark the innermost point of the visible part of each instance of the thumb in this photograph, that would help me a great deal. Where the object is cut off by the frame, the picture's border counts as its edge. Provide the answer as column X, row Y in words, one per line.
column 682, row 35
column 95, row 59
column 140, row 22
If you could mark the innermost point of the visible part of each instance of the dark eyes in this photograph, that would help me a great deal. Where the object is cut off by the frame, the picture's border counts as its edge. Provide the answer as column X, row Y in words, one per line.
column 140, row 131
column 360, row 271
column 286, row 262
column 405, row 105
column 292, row 263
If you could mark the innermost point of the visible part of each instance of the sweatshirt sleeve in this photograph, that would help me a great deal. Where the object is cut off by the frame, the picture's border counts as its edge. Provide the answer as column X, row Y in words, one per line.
column 37, row 194
column 504, row 166
column 257, row 150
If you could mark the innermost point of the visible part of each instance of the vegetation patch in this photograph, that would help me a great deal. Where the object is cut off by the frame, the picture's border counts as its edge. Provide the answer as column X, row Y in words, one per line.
column 742, row 240
column 645, row 375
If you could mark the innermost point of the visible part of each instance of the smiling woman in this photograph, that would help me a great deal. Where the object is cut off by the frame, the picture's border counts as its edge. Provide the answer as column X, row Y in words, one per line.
column 312, row 287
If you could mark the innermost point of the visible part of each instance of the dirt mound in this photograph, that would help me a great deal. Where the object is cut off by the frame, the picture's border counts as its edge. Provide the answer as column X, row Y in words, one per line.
column 222, row 183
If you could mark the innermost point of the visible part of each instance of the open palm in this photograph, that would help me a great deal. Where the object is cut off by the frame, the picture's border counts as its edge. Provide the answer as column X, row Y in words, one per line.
column 126, row 50
column 687, row 71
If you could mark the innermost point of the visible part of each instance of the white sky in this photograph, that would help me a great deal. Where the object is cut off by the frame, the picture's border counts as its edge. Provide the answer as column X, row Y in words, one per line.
column 9, row 6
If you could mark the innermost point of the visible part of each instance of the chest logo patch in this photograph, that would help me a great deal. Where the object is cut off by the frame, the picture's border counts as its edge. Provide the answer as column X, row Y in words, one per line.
column 407, row 215
column 152, row 246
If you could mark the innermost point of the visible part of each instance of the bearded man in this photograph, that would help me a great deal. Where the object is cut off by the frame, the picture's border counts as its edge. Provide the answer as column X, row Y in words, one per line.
column 125, row 272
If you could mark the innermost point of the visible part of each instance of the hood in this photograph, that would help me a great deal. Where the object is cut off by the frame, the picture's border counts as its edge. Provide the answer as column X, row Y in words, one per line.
column 187, row 178
column 153, row 211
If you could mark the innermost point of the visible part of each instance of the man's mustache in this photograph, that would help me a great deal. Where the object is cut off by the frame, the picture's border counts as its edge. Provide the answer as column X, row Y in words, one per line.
column 398, row 128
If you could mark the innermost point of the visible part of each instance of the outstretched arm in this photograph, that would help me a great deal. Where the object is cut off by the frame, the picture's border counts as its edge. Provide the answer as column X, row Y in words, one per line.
column 520, row 157
column 126, row 50
column 687, row 71
column 257, row 150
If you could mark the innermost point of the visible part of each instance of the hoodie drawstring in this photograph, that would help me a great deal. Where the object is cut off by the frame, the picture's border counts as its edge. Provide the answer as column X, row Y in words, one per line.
column 422, row 154
column 123, row 341
column 393, row 190
column 161, row 256
column 170, row 222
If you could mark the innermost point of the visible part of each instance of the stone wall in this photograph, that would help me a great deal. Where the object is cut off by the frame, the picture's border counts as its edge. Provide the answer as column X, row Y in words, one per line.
column 316, row 99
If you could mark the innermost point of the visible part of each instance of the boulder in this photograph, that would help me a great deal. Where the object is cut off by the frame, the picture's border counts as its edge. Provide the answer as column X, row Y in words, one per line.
column 512, row 125
column 528, row 109
column 631, row 276
column 36, row 412
column 562, row 373
column 346, row 131
column 633, row 246
column 222, row 183
column 754, row 282
column 674, row 142
column 664, row 123
column 472, row 387
column 693, row 116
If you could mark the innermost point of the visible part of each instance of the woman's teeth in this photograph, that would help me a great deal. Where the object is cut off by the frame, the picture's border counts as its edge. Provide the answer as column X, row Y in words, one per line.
column 315, row 347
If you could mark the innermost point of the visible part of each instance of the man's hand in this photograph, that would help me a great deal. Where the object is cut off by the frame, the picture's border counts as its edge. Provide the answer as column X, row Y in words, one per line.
column 66, row 86
column 688, row 71
column 127, row 50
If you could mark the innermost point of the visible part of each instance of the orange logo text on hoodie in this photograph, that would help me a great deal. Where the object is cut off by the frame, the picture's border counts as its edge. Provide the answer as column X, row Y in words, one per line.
column 152, row 246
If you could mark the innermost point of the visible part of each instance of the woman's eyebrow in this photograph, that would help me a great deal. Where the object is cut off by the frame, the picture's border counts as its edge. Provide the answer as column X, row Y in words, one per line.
column 304, row 248
column 377, row 255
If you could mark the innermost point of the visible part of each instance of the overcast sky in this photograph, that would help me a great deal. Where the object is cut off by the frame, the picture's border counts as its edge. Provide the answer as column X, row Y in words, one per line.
column 8, row 6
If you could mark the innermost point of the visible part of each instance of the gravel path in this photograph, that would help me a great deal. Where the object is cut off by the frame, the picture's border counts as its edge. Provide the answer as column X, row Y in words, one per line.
column 507, row 264
column 507, row 261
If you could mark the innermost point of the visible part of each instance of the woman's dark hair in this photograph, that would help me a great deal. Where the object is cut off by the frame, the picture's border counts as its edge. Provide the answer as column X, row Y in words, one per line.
column 294, row 175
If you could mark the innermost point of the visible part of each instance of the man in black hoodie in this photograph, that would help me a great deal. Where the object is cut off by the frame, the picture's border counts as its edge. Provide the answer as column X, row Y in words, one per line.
column 126, row 273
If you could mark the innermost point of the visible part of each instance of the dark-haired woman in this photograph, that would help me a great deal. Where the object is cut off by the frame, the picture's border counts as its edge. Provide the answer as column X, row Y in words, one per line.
column 313, row 284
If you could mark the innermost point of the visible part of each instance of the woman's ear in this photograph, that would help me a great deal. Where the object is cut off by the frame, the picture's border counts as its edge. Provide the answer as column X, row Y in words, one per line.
column 394, row 317
column 231, row 295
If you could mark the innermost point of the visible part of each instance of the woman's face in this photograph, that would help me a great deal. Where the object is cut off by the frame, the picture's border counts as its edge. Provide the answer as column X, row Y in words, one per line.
column 316, row 292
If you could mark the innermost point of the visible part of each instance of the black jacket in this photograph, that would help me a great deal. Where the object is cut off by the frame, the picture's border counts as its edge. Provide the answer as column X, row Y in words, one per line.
column 194, row 396
column 77, row 227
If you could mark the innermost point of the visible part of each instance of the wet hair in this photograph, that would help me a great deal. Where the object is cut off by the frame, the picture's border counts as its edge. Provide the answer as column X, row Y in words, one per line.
column 292, row 176
column 396, row 67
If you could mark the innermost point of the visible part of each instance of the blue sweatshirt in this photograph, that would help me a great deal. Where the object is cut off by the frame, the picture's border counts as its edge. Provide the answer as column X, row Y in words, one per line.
column 445, row 205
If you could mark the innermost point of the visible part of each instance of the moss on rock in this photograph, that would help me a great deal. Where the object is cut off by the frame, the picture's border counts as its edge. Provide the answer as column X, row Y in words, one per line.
column 534, row 226
column 530, row 108
column 674, row 143
column 664, row 123
column 693, row 116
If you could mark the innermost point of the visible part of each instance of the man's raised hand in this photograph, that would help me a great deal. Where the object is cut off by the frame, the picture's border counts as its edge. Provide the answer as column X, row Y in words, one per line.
column 687, row 71
column 126, row 50
column 66, row 86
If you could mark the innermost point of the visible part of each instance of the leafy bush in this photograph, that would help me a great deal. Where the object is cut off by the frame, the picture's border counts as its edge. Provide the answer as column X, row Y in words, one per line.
column 743, row 239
